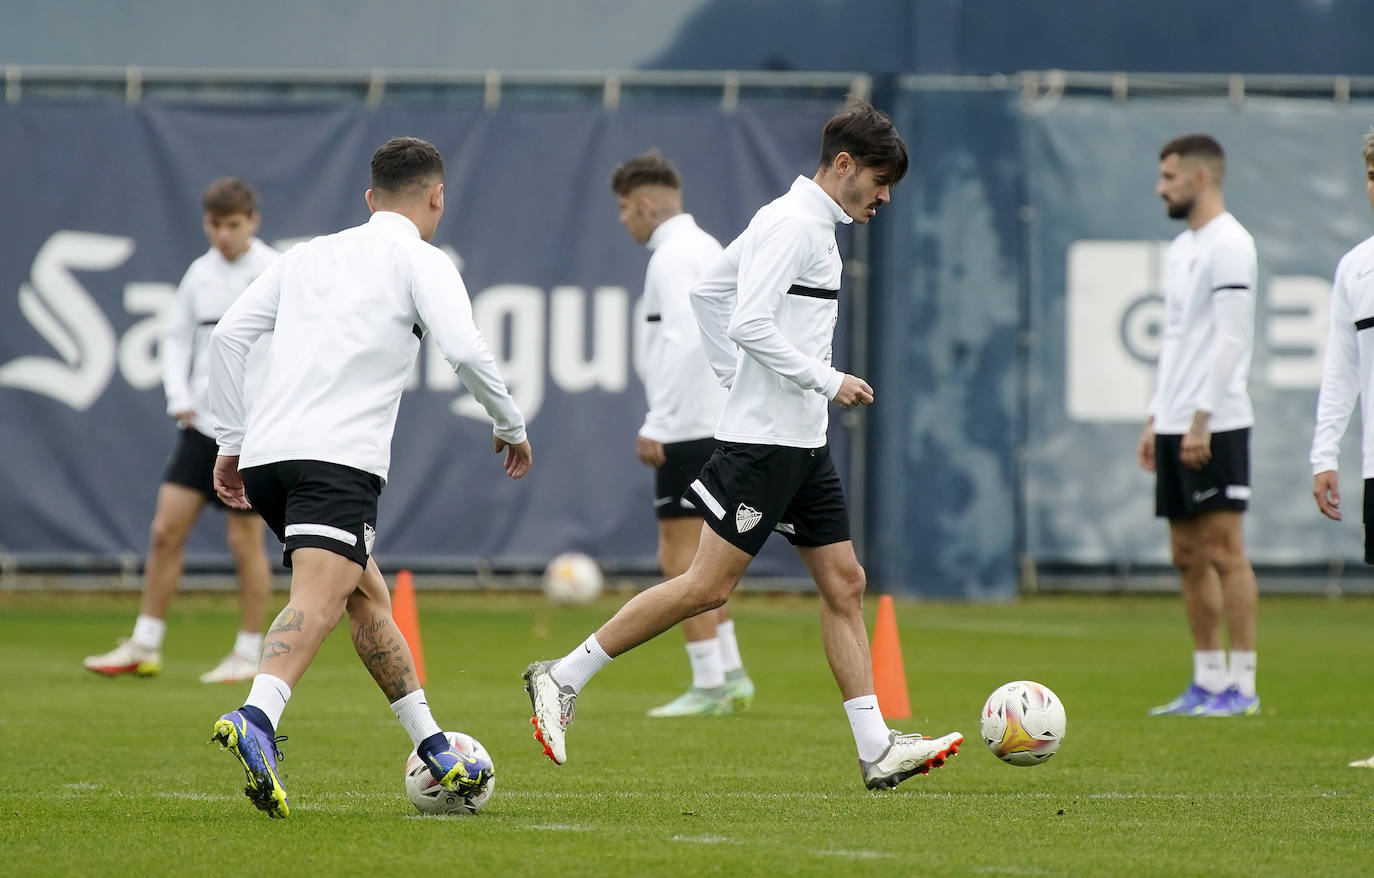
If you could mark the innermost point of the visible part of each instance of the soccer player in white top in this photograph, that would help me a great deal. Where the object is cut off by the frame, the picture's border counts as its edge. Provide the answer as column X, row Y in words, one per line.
column 235, row 258
column 767, row 310
column 1349, row 374
column 685, row 399
column 1197, row 438
column 348, row 312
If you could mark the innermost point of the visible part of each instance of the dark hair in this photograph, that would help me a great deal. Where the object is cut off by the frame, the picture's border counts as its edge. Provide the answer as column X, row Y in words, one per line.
column 869, row 136
column 227, row 196
column 1203, row 146
column 405, row 162
column 646, row 169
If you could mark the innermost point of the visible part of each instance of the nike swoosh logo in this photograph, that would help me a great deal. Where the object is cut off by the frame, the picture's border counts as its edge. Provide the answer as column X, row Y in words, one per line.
column 1199, row 496
column 587, row 648
column 866, row 708
column 1363, row 273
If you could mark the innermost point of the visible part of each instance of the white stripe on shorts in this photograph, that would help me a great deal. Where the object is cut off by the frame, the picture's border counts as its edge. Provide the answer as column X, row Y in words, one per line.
column 711, row 502
column 321, row 530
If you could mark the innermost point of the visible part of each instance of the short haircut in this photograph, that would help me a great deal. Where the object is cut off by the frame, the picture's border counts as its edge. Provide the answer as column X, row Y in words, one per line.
column 404, row 163
column 646, row 169
column 869, row 136
column 228, row 196
column 1368, row 147
column 1199, row 146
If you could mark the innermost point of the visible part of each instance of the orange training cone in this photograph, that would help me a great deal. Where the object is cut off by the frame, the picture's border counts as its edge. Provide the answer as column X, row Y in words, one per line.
column 408, row 619
column 889, row 673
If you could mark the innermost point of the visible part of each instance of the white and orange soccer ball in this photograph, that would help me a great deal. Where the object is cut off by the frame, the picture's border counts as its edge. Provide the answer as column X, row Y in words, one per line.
column 572, row 578
column 1023, row 723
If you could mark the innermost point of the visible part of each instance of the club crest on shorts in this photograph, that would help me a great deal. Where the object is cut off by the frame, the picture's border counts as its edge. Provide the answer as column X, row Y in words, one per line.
column 369, row 537
column 746, row 517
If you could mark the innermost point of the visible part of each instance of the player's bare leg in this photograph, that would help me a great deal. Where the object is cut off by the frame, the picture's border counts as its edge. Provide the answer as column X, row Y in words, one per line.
column 243, row 535
column 1224, row 543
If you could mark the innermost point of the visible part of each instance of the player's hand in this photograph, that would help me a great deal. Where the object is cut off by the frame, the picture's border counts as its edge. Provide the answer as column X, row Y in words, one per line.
column 229, row 484
column 1328, row 495
column 649, row 452
column 519, row 458
column 1145, row 448
column 184, row 417
column 854, row 391
column 1196, row 449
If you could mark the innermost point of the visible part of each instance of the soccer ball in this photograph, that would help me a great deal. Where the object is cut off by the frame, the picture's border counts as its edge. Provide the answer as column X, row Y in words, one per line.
column 430, row 797
column 572, row 578
column 1023, row 723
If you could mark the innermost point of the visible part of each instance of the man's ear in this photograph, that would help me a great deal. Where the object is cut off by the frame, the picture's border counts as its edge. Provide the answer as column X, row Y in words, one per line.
column 436, row 197
column 371, row 206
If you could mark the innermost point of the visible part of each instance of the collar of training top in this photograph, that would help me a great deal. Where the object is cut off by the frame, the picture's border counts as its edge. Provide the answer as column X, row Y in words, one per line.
column 390, row 220
column 813, row 195
column 669, row 227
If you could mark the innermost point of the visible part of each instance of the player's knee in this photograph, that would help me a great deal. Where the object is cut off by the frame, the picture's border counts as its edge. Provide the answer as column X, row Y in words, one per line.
column 1187, row 554
column 845, row 586
column 243, row 542
column 166, row 534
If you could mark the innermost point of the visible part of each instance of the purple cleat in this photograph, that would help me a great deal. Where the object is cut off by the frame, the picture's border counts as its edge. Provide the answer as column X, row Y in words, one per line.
column 257, row 752
column 1231, row 703
column 1193, row 699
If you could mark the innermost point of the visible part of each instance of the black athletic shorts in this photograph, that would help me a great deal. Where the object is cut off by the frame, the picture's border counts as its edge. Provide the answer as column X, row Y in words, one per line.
column 745, row 491
column 192, row 465
column 316, row 504
column 1222, row 483
column 1368, row 514
column 681, row 465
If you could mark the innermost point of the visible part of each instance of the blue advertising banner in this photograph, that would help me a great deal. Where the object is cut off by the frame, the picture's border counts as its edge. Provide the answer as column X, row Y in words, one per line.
column 1294, row 178
column 105, row 218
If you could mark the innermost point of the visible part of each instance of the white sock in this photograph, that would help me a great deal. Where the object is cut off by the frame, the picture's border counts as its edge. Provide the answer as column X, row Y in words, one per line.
column 248, row 644
column 869, row 727
column 1243, row 671
column 1209, row 669
column 704, row 657
column 729, row 649
column 413, row 712
column 578, row 666
column 148, row 632
column 269, row 695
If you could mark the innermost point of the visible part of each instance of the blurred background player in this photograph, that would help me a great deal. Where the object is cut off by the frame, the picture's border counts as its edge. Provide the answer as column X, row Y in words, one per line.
column 685, row 401
column 1349, row 374
column 1197, row 438
column 348, row 312
column 767, row 310
column 235, row 258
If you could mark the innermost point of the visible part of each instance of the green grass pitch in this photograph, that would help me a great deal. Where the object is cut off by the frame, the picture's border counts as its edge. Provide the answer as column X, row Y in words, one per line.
column 116, row 777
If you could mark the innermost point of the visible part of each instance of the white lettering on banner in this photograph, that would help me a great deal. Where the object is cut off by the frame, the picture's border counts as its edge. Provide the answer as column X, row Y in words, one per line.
column 1115, row 327
column 606, row 367
column 511, row 319
column 140, row 355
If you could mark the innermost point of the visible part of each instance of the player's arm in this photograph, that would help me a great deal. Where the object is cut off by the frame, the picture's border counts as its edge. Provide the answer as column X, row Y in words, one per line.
column 713, row 302
column 767, row 270
column 445, row 311
column 1340, row 388
column 673, row 350
column 177, row 348
column 1232, row 301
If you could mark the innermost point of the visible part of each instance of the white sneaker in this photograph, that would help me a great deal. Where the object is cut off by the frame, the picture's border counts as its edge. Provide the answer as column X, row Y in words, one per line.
column 126, row 658
column 234, row 668
column 697, row 702
column 1363, row 763
column 553, row 709
column 907, row 755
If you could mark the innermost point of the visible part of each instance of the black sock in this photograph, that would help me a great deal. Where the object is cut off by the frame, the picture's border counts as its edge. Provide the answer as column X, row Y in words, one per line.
column 259, row 719
column 435, row 743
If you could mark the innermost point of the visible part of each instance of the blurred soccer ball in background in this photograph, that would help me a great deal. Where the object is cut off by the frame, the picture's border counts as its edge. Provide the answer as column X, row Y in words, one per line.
column 1023, row 723
column 430, row 797
column 572, row 578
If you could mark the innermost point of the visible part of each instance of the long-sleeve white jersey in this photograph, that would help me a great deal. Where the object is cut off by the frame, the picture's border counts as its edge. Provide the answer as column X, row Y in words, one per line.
column 206, row 291
column 767, row 310
column 349, row 310
column 1349, row 368
column 1209, row 326
column 684, row 396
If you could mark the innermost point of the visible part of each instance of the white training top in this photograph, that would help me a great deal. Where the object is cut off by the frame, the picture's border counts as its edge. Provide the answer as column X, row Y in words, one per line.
column 1349, row 369
column 349, row 310
column 767, row 310
column 684, row 396
column 1209, row 328
column 206, row 291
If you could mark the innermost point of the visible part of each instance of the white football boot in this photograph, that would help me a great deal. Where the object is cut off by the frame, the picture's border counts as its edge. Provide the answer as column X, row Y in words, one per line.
column 234, row 668
column 126, row 658
column 553, row 709
column 908, row 755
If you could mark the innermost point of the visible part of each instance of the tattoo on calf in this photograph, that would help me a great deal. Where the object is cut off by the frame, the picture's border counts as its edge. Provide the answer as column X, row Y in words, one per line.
column 380, row 647
column 289, row 619
column 275, row 648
